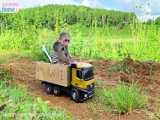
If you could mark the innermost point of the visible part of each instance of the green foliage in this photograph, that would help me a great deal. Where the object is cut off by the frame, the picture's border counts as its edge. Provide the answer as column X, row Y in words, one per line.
column 52, row 16
column 157, row 21
column 26, row 32
column 139, row 41
column 18, row 104
column 5, row 75
column 122, row 98
column 121, row 67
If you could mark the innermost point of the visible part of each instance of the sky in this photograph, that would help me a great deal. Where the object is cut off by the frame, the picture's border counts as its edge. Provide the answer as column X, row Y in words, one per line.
column 145, row 9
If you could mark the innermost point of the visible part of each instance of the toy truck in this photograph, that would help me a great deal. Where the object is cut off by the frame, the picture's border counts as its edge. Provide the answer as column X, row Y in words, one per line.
column 76, row 79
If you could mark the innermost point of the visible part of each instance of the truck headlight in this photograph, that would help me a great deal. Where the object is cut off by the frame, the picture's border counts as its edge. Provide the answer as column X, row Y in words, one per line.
column 85, row 95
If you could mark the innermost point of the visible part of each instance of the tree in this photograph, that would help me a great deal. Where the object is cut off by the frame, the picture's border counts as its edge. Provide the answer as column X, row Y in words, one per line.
column 157, row 21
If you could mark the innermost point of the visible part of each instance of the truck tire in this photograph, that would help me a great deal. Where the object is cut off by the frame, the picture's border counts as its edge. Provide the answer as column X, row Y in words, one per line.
column 56, row 91
column 75, row 95
column 49, row 89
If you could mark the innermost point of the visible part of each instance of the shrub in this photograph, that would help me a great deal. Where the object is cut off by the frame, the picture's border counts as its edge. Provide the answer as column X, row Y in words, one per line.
column 5, row 75
column 124, row 98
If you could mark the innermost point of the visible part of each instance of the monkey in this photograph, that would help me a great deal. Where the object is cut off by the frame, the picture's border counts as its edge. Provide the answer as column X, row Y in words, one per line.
column 60, row 50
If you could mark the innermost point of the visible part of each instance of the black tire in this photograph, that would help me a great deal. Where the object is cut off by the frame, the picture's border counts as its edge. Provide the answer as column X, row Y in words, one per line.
column 49, row 89
column 75, row 95
column 56, row 91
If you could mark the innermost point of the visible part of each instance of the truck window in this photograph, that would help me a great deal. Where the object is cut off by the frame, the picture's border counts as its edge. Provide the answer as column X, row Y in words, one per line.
column 79, row 74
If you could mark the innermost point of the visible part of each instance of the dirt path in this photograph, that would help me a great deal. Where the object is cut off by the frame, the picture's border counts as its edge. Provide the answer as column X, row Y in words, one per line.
column 24, row 73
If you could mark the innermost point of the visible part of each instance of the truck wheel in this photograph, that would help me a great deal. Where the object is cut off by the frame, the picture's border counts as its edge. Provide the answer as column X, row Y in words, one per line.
column 56, row 91
column 75, row 95
column 48, row 88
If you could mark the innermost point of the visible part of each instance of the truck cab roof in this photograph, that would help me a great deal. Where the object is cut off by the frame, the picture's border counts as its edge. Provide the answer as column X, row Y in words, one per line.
column 83, row 65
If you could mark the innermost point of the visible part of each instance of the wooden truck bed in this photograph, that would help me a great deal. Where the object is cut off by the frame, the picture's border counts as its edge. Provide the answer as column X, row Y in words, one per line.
column 53, row 73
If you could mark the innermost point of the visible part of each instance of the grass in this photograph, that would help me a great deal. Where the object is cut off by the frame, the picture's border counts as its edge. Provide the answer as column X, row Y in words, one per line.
column 120, row 67
column 122, row 98
column 16, row 103
column 139, row 41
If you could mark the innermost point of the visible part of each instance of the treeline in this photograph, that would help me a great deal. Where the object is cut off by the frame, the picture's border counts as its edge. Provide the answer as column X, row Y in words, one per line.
column 53, row 15
column 152, row 21
column 157, row 21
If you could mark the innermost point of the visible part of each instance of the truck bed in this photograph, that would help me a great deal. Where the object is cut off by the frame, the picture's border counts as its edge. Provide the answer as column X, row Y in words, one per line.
column 53, row 73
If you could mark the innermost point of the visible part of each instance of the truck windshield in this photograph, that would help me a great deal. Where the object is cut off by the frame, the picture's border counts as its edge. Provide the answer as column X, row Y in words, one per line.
column 87, row 73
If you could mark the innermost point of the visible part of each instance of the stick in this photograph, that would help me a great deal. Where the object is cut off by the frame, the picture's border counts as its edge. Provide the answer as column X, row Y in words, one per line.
column 46, row 53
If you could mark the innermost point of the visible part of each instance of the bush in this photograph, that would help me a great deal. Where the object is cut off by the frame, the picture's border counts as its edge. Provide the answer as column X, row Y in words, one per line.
column 123, row 98
column 5, row 75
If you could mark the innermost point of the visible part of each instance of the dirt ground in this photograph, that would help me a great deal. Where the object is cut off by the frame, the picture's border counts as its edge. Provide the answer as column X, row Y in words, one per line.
column 145, row 74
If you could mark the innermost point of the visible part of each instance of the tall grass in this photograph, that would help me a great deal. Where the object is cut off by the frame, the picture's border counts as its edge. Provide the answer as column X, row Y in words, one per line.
column 122, row 98
column 140, row 41
column 105, row 43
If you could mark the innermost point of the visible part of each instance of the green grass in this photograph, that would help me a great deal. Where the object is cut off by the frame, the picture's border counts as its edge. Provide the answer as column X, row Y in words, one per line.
column 122, row 98
column 25, row 35
column 16, row 103
column 120, row 67
column 140, row 42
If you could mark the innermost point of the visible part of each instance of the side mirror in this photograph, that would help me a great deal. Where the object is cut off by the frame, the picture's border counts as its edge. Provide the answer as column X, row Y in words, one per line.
column 73, row 65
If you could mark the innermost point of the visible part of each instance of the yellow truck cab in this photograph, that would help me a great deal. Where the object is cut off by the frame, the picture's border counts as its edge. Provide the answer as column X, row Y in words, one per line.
column 82, row 81
column 77, row 80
